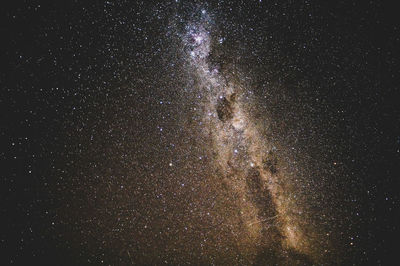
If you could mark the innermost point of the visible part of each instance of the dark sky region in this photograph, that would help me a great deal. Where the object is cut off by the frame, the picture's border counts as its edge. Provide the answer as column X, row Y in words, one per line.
column 199, row 132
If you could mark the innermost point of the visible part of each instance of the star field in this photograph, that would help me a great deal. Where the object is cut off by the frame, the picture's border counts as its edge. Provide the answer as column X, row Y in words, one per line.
column 199, row 132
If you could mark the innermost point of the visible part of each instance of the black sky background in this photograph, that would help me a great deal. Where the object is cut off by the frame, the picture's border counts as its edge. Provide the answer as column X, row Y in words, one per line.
column 62, row 61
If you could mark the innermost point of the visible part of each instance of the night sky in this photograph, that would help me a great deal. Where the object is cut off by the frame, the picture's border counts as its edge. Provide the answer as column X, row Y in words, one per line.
column 199, row 132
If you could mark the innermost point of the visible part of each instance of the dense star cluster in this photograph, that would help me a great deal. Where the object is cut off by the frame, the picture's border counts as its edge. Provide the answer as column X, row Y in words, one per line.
column 199, row 132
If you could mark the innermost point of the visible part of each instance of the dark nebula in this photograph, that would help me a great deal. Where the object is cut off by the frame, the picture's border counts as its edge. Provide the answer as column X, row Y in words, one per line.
column 225, row 108
column 199, row 132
